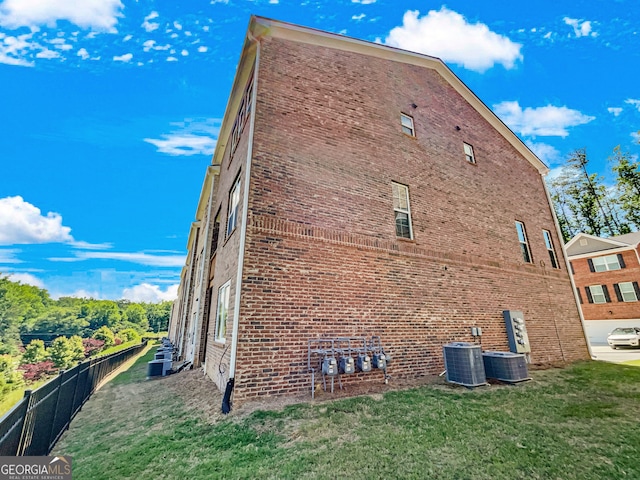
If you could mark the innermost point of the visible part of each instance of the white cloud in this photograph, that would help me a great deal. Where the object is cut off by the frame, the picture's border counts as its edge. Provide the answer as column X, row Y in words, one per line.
column 172, row 59
column 203, row 49
column 82, row 53
column 546, row 121
column 274, row 2
column 193, row 137
column 177, row 26
column 148, row 293
column 21, row 222
column 184, row 53
column 127, row 38
column 141, row 258
column 150, row 26
column 615, row 111
column 580, row 28
column 544, row 152
column 123, row 58
column 14, row 49
column 448, row 35
column 48, row 54
column 357, row 18
column 636, row 136
column 148, row 45
column 364, row 2
column 27, row 279
column 633, row 102
column 90, row 246
column 90, row 14
column 9, row 255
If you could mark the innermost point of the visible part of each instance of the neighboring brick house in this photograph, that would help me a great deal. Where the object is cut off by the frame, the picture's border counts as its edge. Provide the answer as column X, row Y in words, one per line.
column 606, row 273
column 357, row 190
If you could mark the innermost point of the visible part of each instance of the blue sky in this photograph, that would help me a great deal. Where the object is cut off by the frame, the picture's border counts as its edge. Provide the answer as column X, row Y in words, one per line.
column 111, row 111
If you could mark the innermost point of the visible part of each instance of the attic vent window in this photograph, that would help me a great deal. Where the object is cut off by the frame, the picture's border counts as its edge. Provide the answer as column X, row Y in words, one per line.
column 407, row 125
column 583, row 242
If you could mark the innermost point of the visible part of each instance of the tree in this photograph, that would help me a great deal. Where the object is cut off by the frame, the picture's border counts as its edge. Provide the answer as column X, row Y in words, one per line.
column 101, row 313
column 77, row 347
column 62, row 353
column 136, row 314
column 34, row 352
column 106, row 335
column 582, row 201
column 628, row 184
column 129, row 335
column 158, row 315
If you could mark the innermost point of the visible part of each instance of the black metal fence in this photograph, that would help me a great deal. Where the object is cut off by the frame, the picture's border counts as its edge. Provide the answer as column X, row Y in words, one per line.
column 34, row 425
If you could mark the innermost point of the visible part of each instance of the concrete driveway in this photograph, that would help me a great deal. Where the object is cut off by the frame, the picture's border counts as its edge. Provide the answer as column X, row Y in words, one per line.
column 608, row 354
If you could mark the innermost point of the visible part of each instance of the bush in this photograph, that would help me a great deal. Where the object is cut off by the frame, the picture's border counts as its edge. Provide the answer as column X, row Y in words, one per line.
column 117, row 341
column 63, row 353
column 106, row 335
column 32, row 372
column 10, row 377
column 92, row 346
column 34, row 352
column 129, row 335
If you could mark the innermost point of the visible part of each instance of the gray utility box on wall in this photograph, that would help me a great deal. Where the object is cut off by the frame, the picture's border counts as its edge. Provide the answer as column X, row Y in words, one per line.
column 516, row 331
column 505, row 366
column 464, row 365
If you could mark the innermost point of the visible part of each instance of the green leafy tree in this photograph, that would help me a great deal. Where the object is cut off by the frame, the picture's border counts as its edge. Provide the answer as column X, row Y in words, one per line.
column 77, row 347
column 59, row 321
column 129, row 335
column 137, row 315
column 106, row 335
column 158, row 315
column 102, row 313
column 627, row 170
column 34, row 352
column 10, row 377
column 61, row 353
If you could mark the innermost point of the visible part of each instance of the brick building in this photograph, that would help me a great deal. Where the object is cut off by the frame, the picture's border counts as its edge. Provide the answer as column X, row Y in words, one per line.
column 358, row 190
column 606, row 273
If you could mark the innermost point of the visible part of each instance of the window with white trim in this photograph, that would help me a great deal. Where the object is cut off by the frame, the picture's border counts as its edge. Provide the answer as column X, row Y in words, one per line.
column 244, row 111
column 597, row 294
column 402, row 210
column 234, row 202
column 548, row 242
column 608, row 262
column 524, row 244
column 407, row 125
column 468, row 153
column 626, row 292
column 222, row 313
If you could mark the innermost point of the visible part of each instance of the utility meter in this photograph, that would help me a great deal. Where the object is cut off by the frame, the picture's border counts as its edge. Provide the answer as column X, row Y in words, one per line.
column 364, row 363
column 347, row 365
column 379, row 361
column 516, row 331
column 329, row 366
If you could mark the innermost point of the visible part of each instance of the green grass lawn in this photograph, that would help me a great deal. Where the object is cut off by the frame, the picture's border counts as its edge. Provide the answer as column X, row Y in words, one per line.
column 581, row 422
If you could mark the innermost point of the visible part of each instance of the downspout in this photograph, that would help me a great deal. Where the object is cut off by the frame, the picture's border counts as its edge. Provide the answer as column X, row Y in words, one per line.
column 568, row 267
column 226, row 399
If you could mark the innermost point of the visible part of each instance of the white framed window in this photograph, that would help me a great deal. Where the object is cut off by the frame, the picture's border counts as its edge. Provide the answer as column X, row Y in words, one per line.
column 402, row 210
column 608, row 262
column 244, row 112
column 468, row 153
column 234, row 202
column 597, row 294
column 407, row 125
column 524, row 244
column 627, row 292
column 222, row 313
column 548, row 242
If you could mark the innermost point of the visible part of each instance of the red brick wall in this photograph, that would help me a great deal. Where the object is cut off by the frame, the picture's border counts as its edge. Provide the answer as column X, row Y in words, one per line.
column 322, row 257
column 614, row 310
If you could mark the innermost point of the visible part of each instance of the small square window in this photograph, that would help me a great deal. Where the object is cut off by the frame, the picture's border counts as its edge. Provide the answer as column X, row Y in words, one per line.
column 468, row 153
column 407, row 125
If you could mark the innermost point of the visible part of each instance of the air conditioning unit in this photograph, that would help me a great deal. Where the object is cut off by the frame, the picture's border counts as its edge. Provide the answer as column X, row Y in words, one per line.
column 507, row 367
column 464, row 365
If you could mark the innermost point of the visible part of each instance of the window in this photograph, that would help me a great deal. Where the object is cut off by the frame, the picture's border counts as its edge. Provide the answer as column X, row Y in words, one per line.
column 548, row 242
column 468, row 153
column 407, row 125
column 626, row 291
column 223, row 312
column 216, row 234
column 524, row 244
column 244, row 112
column 234, row 201
column 609, row 262
column 402, row 210
column 597, row 294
